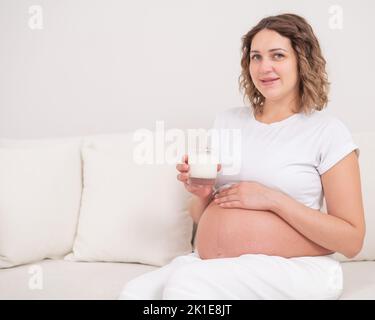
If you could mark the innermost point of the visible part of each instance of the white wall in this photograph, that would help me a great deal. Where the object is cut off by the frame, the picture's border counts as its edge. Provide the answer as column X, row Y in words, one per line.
column 110, row 66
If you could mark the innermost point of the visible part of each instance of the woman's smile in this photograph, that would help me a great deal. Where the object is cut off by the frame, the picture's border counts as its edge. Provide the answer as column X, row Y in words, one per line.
column 269, row 82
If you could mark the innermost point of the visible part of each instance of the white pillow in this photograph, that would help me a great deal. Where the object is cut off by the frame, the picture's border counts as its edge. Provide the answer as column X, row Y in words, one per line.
column 40, row 191
column 129, row 212
column 39, row 143
column 366, row 143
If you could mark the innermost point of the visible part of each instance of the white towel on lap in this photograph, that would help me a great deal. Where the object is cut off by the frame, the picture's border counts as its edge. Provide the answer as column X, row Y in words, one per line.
column 248, row 277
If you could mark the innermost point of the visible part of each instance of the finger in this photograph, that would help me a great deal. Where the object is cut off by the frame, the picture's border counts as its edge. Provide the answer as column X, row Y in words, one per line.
column 183, row 177
column 227, row 191
column 218, row 167
column 182, row 167
column 231, row 204
column 229, row 198
column 185, row 158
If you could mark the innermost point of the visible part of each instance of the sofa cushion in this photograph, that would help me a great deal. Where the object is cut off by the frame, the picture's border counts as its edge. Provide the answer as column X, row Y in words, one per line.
column 359, row 280
column 59, row 279
column 130, row 212
column 40, row 192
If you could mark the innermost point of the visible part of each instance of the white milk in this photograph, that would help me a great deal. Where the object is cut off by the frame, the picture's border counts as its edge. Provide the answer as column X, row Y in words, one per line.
column 202, row 168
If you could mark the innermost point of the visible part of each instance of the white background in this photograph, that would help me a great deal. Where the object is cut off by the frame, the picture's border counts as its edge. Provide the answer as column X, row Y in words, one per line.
column 117, row 66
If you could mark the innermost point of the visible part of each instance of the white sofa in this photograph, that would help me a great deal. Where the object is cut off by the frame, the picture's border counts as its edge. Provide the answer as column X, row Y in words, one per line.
column 78, row 219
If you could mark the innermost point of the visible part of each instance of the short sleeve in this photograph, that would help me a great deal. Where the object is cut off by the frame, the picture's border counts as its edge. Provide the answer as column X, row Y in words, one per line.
column 336, row 143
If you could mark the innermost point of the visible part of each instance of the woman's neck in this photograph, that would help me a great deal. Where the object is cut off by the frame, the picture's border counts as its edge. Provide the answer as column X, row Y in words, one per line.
column 277, row 110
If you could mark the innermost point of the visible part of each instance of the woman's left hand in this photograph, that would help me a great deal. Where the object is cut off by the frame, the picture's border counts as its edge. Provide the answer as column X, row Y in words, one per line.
column 246, row 195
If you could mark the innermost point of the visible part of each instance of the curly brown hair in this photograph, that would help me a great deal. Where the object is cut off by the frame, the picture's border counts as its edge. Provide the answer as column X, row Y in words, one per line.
column 313, row 79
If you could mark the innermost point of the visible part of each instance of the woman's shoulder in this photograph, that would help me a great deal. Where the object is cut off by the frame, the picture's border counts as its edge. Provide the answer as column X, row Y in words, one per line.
column 326, row 121
column 324, row 117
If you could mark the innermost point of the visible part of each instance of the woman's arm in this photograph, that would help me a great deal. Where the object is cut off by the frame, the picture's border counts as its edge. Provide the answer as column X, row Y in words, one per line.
column 197, row 205
column 343, row 228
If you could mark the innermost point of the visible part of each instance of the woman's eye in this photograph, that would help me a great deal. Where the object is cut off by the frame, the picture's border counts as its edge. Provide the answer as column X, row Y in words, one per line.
column 278, row 55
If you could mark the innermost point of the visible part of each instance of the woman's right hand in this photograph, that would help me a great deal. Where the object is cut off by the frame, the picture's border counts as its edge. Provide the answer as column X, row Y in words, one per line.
column 201, row 191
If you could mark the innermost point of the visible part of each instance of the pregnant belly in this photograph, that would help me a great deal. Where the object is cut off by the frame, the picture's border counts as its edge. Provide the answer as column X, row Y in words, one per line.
column 233, row 232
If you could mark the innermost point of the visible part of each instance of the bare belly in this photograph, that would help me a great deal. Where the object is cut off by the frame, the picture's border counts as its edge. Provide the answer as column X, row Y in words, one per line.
column 233, row 232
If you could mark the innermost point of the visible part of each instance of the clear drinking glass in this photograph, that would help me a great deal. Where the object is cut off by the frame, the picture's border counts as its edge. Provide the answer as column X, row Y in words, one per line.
column 203, row 167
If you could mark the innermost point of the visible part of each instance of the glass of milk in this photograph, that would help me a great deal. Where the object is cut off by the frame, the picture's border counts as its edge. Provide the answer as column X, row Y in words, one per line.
column 203, row 167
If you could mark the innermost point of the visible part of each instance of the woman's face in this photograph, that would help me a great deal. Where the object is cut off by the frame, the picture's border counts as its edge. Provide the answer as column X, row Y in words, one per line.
column 273, row 65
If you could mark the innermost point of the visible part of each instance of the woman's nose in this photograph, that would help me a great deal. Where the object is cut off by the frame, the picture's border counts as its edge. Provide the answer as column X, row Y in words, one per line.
column 266, row 66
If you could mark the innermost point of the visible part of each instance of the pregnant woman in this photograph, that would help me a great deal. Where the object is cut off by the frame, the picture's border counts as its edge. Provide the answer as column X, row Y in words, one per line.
column 260, row 232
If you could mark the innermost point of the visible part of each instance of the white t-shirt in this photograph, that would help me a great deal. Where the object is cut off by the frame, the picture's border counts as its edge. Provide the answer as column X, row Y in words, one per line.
column 289, row 155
